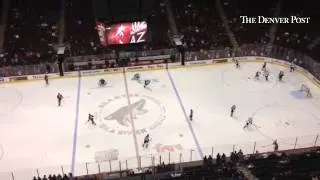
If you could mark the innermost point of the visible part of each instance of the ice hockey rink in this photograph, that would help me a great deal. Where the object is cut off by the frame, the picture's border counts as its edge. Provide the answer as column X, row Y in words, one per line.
column 37, row 134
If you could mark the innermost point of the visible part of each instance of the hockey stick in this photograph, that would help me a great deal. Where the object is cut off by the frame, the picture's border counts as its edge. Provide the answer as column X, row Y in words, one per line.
column 256, row 125
column 65, row 97
column 266, row 145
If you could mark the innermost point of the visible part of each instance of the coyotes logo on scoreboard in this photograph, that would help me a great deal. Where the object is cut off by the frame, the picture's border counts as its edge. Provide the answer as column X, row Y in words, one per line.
column 122, row 33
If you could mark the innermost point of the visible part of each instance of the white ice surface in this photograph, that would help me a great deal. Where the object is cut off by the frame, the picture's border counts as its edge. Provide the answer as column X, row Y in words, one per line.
column 36, row 133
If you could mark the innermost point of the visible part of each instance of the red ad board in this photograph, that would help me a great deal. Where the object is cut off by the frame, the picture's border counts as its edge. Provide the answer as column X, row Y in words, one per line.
column 122, row 33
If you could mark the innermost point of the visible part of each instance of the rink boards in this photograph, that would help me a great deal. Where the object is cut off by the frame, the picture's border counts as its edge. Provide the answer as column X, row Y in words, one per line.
column 72, row 74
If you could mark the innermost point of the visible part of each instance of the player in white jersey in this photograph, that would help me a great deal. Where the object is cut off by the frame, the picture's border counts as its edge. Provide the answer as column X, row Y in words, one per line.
column 266, row 74
column 292, row 67
column 257, row 75
column 248, row 123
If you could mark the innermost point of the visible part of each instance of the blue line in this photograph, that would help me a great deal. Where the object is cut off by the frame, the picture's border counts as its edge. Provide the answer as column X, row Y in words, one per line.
column 75, row 132
column 185, row 115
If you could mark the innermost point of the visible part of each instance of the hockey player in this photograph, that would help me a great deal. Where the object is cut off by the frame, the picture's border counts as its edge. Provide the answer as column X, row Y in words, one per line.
column 237, row 64
column 257, row 75
column 275, row 145
column 136, row 76
column 264, row 66
column 191, row 115
column 248, row 123
column 46, row 79
column 146, row 141
column 102, row 82
column 91, row 119
column 146, row 83
column 281, row 74
column 266, row 75
column 59, row 97
column 292, row 67
column 233, row 108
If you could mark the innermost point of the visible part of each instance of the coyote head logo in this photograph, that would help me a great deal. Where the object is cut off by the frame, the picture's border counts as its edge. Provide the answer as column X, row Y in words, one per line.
column 122, row 115
column 118, row 120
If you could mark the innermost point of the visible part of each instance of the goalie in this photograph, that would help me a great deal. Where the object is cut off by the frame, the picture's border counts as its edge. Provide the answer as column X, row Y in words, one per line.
column 102, row 82
column 136, row 77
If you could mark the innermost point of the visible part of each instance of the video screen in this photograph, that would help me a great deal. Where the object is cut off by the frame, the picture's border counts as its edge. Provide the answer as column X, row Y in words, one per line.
column 122, row 33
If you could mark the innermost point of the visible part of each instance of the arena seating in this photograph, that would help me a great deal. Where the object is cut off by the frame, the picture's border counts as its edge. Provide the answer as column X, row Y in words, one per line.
column 249, row 33
column 1, row 5
column 298, row 36
column 80, row 28
column 160, row 26
column 200, row 23
column 31, row 32
column 286, row 167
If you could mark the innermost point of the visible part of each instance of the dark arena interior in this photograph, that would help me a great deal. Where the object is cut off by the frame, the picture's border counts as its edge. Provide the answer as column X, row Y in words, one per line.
column 159, row 89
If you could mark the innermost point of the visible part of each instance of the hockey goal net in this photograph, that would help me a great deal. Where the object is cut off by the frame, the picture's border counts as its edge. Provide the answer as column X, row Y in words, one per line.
column 304, row 88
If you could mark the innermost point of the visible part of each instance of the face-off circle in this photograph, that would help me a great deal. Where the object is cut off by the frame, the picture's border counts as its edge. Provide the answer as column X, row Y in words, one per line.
column 14, row 100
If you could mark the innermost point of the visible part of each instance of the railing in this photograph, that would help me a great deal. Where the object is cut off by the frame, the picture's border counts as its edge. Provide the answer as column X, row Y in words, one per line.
column 122, row 55
column 159, row 52
column 167, row 155
column 28, row 69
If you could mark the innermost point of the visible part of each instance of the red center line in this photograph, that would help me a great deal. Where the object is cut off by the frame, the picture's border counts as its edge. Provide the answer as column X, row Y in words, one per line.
column 132, row 122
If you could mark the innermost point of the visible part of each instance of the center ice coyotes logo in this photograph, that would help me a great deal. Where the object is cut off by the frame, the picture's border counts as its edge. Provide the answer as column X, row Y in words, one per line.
column 147, row 114
column 122, row 114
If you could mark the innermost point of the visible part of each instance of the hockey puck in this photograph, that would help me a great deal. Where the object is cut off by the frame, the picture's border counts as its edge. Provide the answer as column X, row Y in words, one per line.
column 89, row 93
column 181, row 135
column 88, row 146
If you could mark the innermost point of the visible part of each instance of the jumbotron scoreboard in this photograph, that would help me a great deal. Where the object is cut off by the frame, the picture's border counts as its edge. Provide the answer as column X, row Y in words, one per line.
column 122, row 33
column 122, row 22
